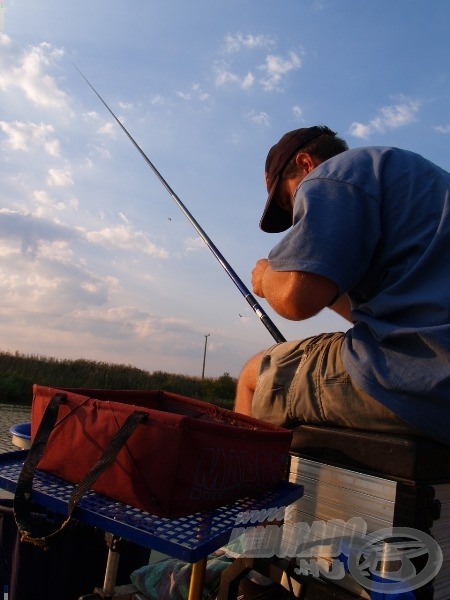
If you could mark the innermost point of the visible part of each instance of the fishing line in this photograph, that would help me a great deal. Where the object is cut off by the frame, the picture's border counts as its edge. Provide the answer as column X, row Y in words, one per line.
column 263, row 317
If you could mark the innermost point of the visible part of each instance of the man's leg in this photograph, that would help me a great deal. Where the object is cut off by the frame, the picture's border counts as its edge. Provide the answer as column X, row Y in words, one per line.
column 305, row 381
column 246, row 385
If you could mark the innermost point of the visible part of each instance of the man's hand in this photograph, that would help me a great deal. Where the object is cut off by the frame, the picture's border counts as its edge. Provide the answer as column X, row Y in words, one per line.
column 342, row 307
column 258, row 275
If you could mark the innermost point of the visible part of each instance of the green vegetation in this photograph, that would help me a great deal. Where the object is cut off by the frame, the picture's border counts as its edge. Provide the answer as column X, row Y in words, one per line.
column 18, row 373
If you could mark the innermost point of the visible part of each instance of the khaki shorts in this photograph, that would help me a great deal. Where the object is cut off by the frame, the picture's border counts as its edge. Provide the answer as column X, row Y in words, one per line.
column 305, row 382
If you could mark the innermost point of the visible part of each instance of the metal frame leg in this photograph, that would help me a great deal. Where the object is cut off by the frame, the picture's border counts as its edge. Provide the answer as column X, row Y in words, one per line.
column 197, row 580
column 114, row 544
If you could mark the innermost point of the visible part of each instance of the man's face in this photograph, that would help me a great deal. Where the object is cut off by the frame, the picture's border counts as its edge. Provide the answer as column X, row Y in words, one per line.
column 286, row 190
column 287, row 186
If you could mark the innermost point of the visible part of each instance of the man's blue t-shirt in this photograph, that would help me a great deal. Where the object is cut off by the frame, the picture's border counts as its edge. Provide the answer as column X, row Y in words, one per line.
column 376, row 221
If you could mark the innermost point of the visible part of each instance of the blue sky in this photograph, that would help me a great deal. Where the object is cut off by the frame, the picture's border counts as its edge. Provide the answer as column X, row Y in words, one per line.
column 96, row 260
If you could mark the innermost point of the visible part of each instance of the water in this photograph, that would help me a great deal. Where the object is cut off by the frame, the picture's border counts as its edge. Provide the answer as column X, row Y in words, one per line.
column 11, row 414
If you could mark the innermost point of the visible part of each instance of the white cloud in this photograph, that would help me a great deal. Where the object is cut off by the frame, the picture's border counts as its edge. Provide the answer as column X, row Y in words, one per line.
column 5, row 40
column 58, row 250
column 26, row 136
column 41, row 270
column 442, row 128
column 260, row 118
column 389, row 117
column 32, row 232
column 121, row 322
column 194, row 93
column 276, row 68
column 90, row 115
column 52, row 147
column 98, row 152
column 158, row 100
column 108, row 129
column 247, row 81
column 35, row 233
column 223, row 77
column 192, row 244
column 59, row 177
column 234, row 42
column 30, row 75
column 123, row 237
column 297, row 113
column 52, row 283
column 46, row 205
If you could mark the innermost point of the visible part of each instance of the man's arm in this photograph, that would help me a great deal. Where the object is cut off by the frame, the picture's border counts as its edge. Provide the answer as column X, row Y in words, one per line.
column 295, row 295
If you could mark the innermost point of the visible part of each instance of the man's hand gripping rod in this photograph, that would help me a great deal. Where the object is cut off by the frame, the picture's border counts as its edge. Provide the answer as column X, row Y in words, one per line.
column 241, row 287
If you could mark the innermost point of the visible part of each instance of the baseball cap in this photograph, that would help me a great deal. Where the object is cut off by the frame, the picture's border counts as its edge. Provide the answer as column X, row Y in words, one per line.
column 274, row 218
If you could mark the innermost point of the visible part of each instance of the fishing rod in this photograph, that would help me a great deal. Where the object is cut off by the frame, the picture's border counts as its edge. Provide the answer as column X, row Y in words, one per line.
column 264, row 318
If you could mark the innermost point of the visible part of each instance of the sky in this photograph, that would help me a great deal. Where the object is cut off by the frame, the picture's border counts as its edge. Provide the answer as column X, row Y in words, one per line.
column 97, row 261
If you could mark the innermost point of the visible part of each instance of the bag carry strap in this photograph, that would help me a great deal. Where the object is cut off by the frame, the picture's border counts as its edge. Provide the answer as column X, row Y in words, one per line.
column 24, row 488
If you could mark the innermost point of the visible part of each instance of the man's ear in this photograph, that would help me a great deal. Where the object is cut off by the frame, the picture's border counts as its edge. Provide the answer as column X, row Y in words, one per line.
column 306, row 161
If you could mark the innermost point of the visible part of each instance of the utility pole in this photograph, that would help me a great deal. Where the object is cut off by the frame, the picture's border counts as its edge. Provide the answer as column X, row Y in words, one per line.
column 204, row 356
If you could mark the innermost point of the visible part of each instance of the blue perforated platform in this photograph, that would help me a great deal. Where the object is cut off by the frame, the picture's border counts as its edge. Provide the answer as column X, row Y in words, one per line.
column 186, row 538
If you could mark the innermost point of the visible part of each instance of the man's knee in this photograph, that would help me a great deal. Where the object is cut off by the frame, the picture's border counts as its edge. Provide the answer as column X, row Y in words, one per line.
column 246, row 385
column 250, row 371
